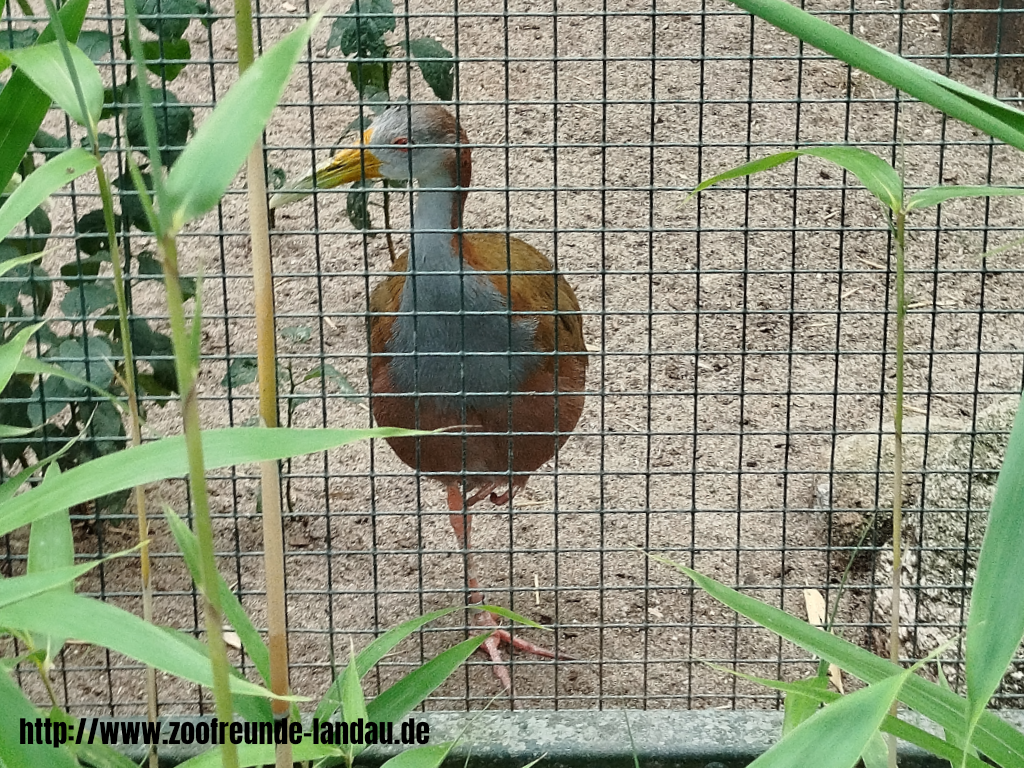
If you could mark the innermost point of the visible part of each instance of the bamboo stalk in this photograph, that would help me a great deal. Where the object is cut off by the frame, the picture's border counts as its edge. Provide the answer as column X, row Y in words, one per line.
column 266, row 364
column 134, row 417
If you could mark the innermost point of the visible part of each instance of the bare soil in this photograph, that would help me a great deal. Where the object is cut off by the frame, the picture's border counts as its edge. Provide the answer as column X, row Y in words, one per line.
column 734, row 340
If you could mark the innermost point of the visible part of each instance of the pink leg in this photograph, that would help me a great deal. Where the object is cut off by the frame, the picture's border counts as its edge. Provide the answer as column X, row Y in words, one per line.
column 461, row 522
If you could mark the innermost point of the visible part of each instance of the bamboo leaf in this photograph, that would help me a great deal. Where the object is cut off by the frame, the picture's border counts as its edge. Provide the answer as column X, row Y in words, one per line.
column 995, row 625
column 353, row 702
column 20, row 588
column 936, row 195
column 872, row 171
column 801, row 705
column 17, row 261
column 11, row 352
column 39, row 185
column 400, row 699
column 166, row 458
column 22, row 105
column 876, row 753
column 993, row 736
column 949, row 96
column 846, row 726
column 105, row 625
column 252, row 642
column 46, row 67
column 51, row 547
column 208, row 164
column 253, row 755
column 427, row 756
column 13, row 753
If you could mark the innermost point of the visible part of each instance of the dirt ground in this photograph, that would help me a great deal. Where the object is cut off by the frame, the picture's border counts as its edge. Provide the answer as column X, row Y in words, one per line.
column 733, row 341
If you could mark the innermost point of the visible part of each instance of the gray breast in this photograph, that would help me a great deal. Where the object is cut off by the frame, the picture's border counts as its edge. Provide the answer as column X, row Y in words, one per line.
column 456, row 340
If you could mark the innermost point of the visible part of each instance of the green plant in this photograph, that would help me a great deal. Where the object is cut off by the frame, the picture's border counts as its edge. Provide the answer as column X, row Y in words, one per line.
column 361, row 34
column 95, row 297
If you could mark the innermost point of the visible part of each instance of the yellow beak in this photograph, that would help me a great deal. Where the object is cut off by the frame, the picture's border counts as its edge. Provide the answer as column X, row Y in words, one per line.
column 349, row 165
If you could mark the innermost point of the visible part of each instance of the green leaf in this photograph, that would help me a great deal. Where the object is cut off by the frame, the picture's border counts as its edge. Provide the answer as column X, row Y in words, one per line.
column 166, row 458
column 132, row 208
column 11, row 352
column 46, row 67
column 105, row 625
column 167, row 19
column 88, row 298
column 42, row 368
column 252, row 642
column 936, row 195
column 209, row 163
column 300, row 334
column 166, row 58
column 994, row 737
column 357, row 206
column 19, row 588
column 13, row 753
column 95, row 44
column 174, row 123
column 957, row 100
column 995, row 625
column 40, row 184
column 74, row 271
column 51, row 547
column 373, row 653
column 253, row 755
column 427, row 756
column 22, row 105
column 48, row 144
column 7, row 266
column 436, row 65
column 400, row 699
column 105, row 143
column 93, row 223
column 846, row 726
column 353, row 702
column 801, row 706
column 872, row 171
column 93, row 365
column 362, row 29
column 18, row 38
column 876, row 753
column 332, row 375
column 9, row 431
column 241, row 371
column 371, row 78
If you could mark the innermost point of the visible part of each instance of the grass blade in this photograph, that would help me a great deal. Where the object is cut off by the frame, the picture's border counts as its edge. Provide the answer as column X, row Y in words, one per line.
column 18, row 588
column 166, row 458
column 940, row 194
column 208, row 164
column 995, row 624
column 40, row 184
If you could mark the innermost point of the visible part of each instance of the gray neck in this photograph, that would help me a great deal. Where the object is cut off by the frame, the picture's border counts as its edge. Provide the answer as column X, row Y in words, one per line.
column 432, row 239
column 454, row 325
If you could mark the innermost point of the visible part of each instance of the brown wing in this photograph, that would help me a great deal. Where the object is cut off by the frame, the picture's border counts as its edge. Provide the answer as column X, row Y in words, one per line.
column 530, row 292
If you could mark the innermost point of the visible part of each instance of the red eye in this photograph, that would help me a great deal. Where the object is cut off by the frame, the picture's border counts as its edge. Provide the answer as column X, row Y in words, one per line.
column 401, row 141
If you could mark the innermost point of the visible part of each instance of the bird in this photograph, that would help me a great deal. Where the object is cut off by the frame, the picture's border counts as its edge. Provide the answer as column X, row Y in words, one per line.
column 471, row 332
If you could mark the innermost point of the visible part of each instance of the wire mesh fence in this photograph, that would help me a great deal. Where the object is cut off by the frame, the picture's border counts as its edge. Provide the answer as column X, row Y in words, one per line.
column 740, row 345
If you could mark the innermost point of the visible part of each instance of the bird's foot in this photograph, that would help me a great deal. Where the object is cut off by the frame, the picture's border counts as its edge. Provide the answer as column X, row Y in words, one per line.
column 499, row 637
